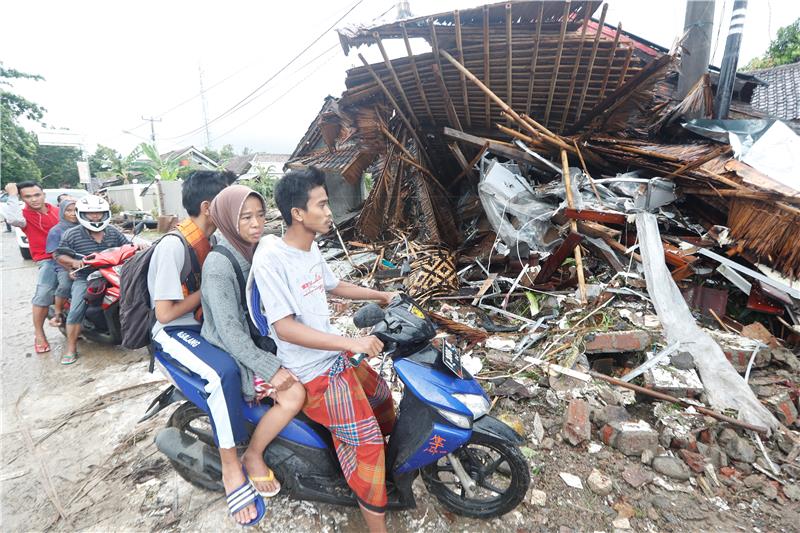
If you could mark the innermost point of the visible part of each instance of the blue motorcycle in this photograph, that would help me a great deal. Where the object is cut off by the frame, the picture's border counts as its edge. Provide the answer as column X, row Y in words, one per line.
column 470, row 461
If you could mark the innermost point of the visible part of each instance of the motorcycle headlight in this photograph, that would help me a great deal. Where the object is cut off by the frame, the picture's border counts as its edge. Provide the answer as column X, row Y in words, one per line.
column 459, row 420
column 477, row 403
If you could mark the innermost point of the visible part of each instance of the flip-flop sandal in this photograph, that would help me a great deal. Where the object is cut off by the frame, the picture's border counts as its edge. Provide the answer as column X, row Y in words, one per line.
column 41, row 347
column 242, row 497
column 69, row 358
column 264, row 479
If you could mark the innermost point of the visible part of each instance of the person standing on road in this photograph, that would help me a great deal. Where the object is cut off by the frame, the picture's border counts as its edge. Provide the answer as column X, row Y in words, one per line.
column 92, row 235
column 35, row 219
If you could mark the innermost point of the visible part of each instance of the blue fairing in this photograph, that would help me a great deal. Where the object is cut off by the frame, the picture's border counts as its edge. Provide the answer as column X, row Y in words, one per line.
column 194, row 390
column 435, row 387
column 441, row 441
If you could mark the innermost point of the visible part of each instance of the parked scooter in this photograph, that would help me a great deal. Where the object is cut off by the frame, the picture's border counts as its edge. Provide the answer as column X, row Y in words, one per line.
column 470, row 461
column 101, row 322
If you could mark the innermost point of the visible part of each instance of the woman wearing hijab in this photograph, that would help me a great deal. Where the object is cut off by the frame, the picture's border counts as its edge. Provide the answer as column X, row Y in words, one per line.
column 238, row 212
column 68, row 218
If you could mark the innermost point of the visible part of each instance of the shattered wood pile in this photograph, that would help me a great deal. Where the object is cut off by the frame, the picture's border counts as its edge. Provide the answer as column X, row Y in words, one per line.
column 537, row 187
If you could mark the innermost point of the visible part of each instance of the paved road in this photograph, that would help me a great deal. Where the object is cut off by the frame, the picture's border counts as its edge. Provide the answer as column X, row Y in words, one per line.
column 71, row 444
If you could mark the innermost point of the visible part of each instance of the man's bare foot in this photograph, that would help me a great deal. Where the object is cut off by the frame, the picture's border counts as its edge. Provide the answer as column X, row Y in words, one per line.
column 260, row 473
column 57, row 320
column 232, row 479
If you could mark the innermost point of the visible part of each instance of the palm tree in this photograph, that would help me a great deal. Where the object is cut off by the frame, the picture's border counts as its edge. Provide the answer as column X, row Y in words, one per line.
column 157, row 169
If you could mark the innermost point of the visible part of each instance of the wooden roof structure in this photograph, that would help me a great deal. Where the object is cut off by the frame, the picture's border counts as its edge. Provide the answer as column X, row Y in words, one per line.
column 543, row 58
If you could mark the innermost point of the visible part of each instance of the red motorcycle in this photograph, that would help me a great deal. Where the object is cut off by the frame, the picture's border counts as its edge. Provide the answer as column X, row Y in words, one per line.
column 101, row 322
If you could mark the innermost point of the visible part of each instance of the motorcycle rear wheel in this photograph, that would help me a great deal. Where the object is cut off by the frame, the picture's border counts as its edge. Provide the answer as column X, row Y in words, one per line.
column 499, row 470
column 194, row 423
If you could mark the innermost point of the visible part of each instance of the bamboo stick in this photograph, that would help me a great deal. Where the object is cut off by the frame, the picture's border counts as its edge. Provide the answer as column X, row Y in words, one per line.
column 550, row 93
column 509, row 59
column 586, row 170
column 451, row 110
column 573, row 226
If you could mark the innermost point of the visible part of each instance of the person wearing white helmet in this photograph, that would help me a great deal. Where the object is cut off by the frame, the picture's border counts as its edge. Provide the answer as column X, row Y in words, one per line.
column 92, row 235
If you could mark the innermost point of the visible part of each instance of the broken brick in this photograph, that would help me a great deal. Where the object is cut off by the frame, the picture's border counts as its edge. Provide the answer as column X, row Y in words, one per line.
column 783, row 408
column 630, row 438
column 695, row 461
column 576, row 422
column 618, row 341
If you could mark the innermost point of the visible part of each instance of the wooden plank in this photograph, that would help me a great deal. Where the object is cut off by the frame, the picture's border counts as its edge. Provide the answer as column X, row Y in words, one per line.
column 484, row 287
column 596, row 216
column 487, row 74
column 393, row 74
column 534, row 57
column 550, row 93
column 415, row 70
column 625, row 67
column 573, row 225
column 469, row 171
column 574, row 76
column 494, row 146
column 557, row 258
column 592, row 58
column 464, row 95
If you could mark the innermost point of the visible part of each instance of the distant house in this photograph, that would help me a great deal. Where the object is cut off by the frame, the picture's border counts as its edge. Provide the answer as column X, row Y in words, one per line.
column 251, row 166
column 780, row 97
column 191, row 157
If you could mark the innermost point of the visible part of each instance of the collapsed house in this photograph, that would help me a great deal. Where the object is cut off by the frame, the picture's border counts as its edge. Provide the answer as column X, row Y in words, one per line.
column 536, row 150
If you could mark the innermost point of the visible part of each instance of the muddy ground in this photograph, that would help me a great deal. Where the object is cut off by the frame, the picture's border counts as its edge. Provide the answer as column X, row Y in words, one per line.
column 74, row 458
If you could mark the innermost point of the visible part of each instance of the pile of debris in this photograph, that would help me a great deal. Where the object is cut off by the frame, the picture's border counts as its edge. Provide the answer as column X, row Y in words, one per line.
column 578, row 231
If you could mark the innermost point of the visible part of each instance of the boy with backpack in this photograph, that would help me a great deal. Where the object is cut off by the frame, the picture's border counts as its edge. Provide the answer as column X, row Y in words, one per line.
column 173, row 271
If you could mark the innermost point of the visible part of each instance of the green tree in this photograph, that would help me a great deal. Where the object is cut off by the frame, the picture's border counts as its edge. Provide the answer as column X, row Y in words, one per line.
column 18, row 146
column 58, row 166
column 108, row 161
column 783, row 50
column 211, row 153
column 154, row 167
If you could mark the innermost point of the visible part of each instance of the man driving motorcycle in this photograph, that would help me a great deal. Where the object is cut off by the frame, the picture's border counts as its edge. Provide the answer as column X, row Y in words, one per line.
column 92, row 235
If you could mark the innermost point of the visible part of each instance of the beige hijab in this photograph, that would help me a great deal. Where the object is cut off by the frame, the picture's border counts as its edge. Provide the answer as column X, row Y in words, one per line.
column 225, row 210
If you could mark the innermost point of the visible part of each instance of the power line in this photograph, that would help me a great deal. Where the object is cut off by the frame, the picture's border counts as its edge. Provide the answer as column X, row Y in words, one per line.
column 249, row 98
column 257, row 113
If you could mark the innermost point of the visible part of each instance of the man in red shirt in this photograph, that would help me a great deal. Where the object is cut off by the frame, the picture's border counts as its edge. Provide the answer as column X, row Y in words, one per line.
column 35, row 219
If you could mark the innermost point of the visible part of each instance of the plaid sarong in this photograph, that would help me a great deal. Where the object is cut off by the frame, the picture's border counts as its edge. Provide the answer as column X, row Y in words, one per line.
column 355, row 404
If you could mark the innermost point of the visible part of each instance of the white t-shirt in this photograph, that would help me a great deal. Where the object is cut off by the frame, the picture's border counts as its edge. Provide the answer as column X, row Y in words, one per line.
column 164, row 279
column 295, row 282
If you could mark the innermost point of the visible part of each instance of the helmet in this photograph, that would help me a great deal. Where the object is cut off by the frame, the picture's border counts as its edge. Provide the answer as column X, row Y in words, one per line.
column 93, row 204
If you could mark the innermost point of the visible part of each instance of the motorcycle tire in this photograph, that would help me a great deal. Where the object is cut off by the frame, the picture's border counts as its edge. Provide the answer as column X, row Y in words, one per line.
column 487, row 460
column 195, row 423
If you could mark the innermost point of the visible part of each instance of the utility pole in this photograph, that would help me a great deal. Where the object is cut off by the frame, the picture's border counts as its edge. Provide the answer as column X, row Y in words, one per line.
column 697, row 26
column 205, row 107
column 151, row 120
column 727, row 72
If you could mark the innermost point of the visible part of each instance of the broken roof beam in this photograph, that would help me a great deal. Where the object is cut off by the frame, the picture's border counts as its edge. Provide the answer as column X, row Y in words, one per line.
column 610, row 63
column 396, row 80
column 449, row 107
column 487, row 73
column 574, row 76
column 590, row 68
column 388, row 94
column 557, row 64
column 464, row 94
column 509, row 58
column 534, row 57
column 412, row 60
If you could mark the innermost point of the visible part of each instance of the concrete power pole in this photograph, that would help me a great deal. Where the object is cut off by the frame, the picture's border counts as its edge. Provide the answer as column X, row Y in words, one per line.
column 697, row 25
column 727, row 73
column 152, row 121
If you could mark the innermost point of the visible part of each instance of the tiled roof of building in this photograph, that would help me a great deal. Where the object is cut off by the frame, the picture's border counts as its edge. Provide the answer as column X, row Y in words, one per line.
column 781, row 98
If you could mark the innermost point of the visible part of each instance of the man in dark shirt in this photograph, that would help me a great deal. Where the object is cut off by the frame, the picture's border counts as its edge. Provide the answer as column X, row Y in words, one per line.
column 91, row 236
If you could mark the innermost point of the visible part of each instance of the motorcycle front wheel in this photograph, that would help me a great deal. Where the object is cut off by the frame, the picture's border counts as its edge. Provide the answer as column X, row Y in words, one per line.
column 499, row 470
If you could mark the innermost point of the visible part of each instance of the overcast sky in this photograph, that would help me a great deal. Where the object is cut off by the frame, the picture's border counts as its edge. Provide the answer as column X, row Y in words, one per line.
column 108, row 64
